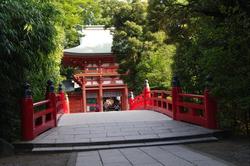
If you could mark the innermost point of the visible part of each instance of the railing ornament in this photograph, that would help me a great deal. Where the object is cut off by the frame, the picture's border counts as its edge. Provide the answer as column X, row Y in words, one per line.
column 60, row 88
column 208, row 81
column 131, row 95
column 50, row 86
column 146, row 84
column 27, row 90
column 176, row 82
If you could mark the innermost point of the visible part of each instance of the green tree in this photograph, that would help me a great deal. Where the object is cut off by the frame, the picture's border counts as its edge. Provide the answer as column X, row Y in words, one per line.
column 212, row 37
column 156, row 62
column 31, row 45
column 129, row 20
column 107, row 10
column 141, row 53
column 74, row 15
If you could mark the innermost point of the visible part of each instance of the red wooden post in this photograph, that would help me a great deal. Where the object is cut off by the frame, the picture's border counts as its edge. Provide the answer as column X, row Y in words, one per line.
column 67, row 104
column 125, row 98
column 64, row 100
column 210, row 110
column 27, row 115
column 176, row 89
column 53, row 100
column 100, row 96
column 147, row 94
column 131, row 100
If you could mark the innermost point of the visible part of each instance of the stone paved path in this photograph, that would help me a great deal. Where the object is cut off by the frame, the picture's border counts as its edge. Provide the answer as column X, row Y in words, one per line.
column 93, row 129
column 174, row 155
column 117, row 126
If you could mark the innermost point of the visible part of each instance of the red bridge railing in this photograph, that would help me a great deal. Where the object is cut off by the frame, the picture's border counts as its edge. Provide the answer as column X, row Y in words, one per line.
column 161, row 101
column 43, row 115
column 192, row 108
column 137, row 103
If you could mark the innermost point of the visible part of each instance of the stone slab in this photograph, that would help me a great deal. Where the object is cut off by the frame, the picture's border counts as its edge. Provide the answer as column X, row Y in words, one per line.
column 149, row 156
column 119, row 127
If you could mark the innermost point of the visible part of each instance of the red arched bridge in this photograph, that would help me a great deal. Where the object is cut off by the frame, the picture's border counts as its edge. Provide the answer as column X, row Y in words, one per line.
column 86, row 128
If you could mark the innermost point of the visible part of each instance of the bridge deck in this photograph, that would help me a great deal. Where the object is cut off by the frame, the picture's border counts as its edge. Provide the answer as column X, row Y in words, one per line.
column 117, row 126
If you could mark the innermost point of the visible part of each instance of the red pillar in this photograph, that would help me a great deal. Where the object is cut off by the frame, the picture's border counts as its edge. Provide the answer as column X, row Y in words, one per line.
column 63, row 100
column 147, row 94
column 67, row 104
column 27, row 115
column 84, row 96
column 53, row 102
column 125, row 97
column 100, row 100
column 210, row 110
column 131, row 100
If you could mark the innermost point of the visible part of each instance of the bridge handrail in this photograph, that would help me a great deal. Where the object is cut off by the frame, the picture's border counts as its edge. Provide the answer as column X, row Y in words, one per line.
column 35, row 122
column 192, row 108
column 161, row 101
column 40, row 103
column 138, row 98
column 161, row 91
column 137, row 102
column 191, row 95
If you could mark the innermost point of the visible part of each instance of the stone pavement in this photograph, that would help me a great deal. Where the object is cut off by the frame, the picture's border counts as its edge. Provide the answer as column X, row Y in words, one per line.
column 174, row 155
column 117, row 126
column 129, row 138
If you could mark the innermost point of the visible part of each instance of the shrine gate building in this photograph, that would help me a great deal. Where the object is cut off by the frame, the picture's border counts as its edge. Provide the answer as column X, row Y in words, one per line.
column 97, row 84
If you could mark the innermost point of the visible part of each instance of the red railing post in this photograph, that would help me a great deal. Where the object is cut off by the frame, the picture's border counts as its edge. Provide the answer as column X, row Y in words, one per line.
column 147, row 94
column 53, row 100
column 66, row 104
column 27, row 115
column 131, row 101
column 210, row 110
column 176, row 89
column 63, row 99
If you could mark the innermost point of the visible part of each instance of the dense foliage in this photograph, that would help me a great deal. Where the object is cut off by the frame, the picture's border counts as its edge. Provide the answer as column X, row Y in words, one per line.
column 212, row 37
column 141, row 53
column 74, row 15
column 30, row 44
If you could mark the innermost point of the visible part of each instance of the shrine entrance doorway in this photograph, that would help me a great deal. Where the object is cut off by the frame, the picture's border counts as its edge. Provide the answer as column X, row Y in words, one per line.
column 112, row 101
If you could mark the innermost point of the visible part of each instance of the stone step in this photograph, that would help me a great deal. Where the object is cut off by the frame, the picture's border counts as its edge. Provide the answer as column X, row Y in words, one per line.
column 73, row 147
